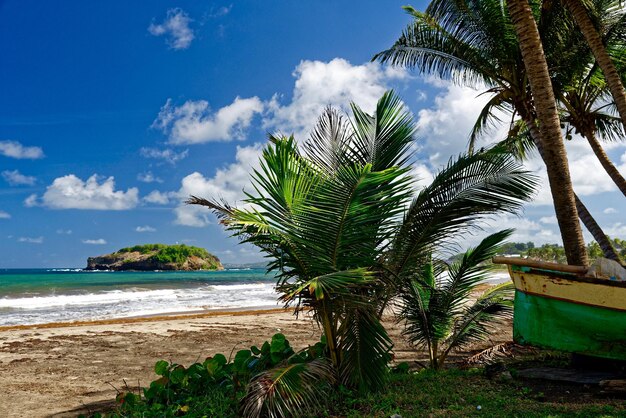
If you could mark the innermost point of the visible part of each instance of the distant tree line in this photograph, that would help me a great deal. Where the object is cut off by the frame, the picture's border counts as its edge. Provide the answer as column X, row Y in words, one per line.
column 556, row 253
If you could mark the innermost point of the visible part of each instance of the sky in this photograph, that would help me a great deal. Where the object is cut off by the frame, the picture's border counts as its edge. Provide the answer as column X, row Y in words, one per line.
column 113, row 113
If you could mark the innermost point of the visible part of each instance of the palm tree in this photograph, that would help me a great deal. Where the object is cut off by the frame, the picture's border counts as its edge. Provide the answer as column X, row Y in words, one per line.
column 343, row 229
column 435, row 308
column 474, row 43
column 584, row 18
column 583, row 109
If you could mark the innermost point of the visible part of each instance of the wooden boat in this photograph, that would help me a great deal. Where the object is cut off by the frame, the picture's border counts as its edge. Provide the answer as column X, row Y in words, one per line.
column 558, row 307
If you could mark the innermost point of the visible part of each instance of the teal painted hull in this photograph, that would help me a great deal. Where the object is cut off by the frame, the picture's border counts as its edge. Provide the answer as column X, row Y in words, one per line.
column 567, row 326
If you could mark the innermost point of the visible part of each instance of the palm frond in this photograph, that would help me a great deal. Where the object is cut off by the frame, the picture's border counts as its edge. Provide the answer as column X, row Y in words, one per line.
column 467, row 190
column 292, row 390
column 478, row 320
column 366, row 349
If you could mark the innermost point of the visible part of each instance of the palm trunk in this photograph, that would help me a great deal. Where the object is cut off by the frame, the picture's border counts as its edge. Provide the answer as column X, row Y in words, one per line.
column 593, row 38
column 611, row 170
column 583, row 213
column 555, row 156
column 595, row 230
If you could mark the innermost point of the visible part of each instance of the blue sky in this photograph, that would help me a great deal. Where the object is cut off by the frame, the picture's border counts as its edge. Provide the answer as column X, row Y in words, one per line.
column 111, row 113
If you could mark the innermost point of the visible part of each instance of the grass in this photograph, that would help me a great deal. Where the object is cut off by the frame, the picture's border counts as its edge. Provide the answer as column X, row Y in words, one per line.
column 447, row 393
column 459, row 393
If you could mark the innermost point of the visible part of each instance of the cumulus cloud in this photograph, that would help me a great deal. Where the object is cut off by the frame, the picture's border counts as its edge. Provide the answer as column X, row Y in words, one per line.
column 227, row 183
column 70, row 192
column 319, row 84
column 610, row 211
column 176, row 29
column 4, row 215
column 145, row 228
column 15, row 178
column 99, row 241
column 194, row 122
column 444, row 131
column 14, row 149
column 29, row 240
column 168, row 155
column 148, row 177
column 158, row 198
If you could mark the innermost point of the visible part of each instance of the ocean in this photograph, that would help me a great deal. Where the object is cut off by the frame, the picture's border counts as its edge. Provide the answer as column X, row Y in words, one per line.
column 35, row 296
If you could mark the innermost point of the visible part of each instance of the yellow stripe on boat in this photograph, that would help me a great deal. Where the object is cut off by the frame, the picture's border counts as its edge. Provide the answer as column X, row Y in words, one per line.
column 587, row 291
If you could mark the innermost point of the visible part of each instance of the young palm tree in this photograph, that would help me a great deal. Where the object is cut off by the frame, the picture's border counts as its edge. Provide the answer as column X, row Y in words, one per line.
column 435, row 308
column 341, row 225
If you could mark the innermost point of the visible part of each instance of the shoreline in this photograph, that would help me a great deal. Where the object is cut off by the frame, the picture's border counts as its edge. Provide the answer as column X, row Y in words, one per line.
column 166, row 316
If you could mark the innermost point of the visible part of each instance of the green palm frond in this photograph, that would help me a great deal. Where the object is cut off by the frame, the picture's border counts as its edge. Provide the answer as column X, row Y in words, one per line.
column 366, row 349
column 488, row 118
column 478, row 321
column 467, row 190
column 384, row 138
column 292, row 390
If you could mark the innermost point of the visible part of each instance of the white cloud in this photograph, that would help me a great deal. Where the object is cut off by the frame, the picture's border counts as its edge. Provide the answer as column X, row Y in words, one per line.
column 4, row 215
column 220, row 11
column 617, row 230
column 145, row 228
column 99, row 241
column 157, row 197
column 168, row 155
column 227, row 183
column 31, row 201
column 64, row 231
column 15, row 178
column 548, row 220
column 319, row 84
column 609, row 211
column 148, row 177
column 14, row 149
column 194, row 123
column 176, row 28
column 70, row 192
column 444, row 131
column 29, row 240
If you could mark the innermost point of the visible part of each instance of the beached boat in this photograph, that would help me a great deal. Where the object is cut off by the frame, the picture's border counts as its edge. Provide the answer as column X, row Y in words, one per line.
column 559, row 307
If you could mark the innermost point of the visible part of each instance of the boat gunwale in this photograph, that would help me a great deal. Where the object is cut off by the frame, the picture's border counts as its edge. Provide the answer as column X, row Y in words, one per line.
column 567, row 276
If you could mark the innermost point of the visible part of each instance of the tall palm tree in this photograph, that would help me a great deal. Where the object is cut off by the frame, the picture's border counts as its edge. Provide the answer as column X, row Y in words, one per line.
column 473, row 42
column 584, row 16
column 341, row 225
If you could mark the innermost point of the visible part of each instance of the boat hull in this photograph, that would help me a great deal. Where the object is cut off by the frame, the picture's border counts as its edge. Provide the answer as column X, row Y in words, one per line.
column 564, row 312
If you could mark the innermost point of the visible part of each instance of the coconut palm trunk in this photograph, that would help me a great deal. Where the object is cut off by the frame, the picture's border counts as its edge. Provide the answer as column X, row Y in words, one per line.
column 593, row 38
column 611, row 170
column 583, row 213
column 554, row 150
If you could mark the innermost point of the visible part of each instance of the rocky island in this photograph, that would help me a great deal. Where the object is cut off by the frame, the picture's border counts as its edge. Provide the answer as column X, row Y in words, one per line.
column 150, row 257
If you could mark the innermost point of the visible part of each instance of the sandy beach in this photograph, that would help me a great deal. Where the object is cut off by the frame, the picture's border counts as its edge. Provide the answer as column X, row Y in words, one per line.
column 61, row 370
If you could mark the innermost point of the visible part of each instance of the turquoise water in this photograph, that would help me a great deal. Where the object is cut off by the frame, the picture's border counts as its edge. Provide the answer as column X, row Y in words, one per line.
column 31, row 296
